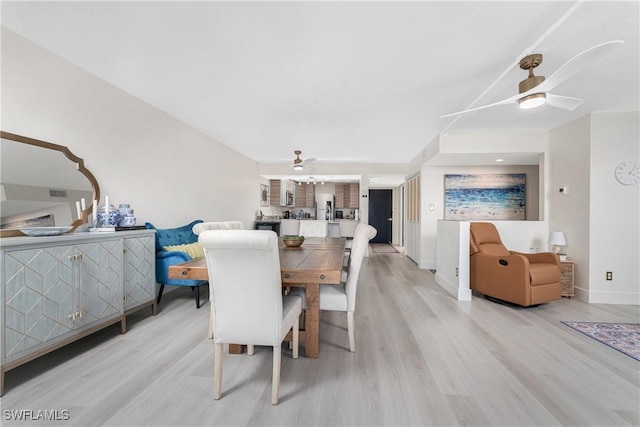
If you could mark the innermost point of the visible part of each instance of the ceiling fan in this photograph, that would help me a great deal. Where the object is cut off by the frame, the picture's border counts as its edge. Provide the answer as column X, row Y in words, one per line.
column 534, row 90
column 299, row 164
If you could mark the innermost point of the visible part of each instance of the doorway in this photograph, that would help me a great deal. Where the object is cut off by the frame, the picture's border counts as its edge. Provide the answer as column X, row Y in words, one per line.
column 380, row 214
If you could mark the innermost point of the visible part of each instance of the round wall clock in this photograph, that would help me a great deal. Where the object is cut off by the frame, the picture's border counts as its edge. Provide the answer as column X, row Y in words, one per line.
column 627, row 173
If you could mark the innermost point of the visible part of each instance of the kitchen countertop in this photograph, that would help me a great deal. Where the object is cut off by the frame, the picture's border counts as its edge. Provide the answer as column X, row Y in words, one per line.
column 278, row 220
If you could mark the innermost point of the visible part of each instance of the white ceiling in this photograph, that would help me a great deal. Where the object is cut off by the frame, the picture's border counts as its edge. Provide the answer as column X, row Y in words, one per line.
column 342, row 81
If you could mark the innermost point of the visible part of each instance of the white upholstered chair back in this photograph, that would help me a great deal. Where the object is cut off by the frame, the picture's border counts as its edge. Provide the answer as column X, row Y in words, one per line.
column 314, row 228
column 215, row 225
column 364, row 233
column 244, row 278
column 219, row 225
column 247, row 300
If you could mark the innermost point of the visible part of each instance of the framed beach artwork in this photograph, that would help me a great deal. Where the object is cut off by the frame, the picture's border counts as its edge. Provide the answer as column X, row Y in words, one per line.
column 484, row 197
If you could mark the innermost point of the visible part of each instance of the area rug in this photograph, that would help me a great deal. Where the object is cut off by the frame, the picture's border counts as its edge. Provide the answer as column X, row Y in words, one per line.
column 624, row 337
column 383, row 248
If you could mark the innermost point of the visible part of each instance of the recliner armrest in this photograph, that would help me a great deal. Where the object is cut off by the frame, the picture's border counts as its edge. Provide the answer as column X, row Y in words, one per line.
column 542, row 257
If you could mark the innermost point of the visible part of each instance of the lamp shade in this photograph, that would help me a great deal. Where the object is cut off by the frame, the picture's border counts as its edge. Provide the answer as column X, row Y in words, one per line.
column 557, row 238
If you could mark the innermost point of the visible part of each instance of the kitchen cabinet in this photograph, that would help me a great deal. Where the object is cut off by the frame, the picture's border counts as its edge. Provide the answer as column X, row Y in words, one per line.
column 282, row 192
column 339, row 194
column 305, row 195
column 311, row 196
column 347, row 196
column 354, row 196
column 274, row 192
column 57, row 289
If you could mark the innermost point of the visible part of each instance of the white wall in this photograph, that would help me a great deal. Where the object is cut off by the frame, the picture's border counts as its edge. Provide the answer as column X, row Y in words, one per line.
column 569, row 151
column 600, row 218
column 614, row 210
column 168, row 172
column 452, row 272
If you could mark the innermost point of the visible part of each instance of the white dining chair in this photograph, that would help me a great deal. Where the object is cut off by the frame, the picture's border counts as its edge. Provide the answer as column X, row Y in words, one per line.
column 342, row 297
column 216, row 225
column 314, row 228
column 244, row 278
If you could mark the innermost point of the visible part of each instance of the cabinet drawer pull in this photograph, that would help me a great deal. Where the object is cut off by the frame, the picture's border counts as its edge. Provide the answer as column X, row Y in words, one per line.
column 286, row 275
column 322, row 276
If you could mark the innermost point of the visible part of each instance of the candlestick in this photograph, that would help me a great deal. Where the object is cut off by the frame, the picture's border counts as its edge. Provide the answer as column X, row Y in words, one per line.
column 95, row 213
column 83, row 204
column 106, row 210
column 78, row 210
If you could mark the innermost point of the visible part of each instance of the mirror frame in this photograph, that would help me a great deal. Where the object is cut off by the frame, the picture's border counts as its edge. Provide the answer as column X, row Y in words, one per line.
column 79, row 166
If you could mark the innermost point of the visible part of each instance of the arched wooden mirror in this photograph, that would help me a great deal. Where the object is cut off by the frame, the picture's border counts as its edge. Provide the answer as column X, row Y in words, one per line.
column 40, row 183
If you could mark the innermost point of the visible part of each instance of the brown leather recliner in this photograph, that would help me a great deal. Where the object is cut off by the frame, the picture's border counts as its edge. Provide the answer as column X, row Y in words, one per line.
column 519, row 278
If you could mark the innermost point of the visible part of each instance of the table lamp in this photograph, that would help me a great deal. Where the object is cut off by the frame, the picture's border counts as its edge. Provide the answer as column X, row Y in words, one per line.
column 557, row 239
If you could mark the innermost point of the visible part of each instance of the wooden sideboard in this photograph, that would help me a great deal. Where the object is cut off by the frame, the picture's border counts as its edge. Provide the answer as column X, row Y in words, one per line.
column 58, row 289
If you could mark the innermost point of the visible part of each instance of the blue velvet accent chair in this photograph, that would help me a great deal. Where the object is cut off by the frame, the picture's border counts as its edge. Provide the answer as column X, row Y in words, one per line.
column 164, row 259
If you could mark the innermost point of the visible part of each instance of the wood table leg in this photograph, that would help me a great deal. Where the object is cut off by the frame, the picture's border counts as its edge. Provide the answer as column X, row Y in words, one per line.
column 312, row 321
column 235, row 348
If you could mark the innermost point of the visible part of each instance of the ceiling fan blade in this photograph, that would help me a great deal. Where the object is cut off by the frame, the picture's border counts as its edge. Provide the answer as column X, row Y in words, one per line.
column 564, row 102
column 577, row 64
column 310, row 160
column 509, row 100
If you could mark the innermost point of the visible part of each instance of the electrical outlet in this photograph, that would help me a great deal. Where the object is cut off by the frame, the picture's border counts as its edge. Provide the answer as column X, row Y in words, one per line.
column 609, row 275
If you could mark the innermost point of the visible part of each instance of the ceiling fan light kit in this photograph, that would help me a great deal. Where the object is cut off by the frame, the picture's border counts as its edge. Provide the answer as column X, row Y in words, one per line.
column 532, row 101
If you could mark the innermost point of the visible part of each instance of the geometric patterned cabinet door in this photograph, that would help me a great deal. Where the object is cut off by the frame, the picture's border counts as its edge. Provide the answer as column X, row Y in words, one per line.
column 55, row 290
column 139, row 271
column 99, row 284
column 39, row 294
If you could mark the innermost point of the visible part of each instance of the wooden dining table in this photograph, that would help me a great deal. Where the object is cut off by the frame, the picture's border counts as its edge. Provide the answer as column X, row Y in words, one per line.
column 317, row 261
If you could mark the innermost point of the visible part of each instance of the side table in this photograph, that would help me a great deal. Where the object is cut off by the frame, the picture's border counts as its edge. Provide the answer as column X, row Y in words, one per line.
column 567, row 278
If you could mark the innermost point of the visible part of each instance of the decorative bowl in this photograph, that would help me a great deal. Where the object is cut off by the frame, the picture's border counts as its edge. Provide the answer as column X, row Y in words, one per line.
column 293, row 241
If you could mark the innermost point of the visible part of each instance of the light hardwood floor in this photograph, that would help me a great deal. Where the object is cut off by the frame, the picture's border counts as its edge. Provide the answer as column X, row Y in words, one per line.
column 422, row 358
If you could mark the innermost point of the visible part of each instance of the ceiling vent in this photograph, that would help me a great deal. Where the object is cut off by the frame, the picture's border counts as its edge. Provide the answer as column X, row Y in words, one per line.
column 58, row 193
